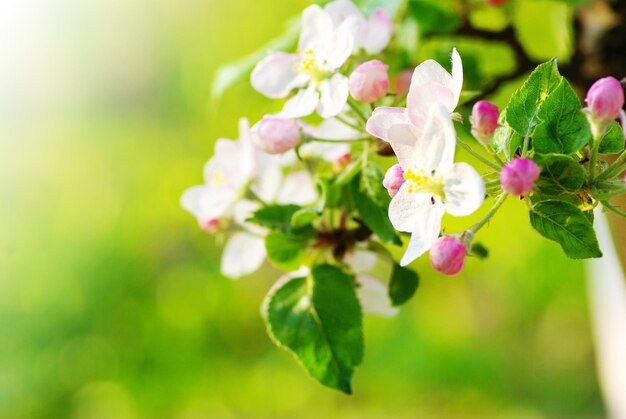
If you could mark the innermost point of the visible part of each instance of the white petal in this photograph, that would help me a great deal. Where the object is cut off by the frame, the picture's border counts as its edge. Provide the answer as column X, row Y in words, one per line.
column 404, row 140
column 403, row 208
column 243, row 210
column 327, row 151
column 376, row 34
column 297, row 188
column 425, row 232
column 435, row 150
column 333, row 96
column 316, row 33
column 373, row 296
column 301, row 104
column 383, row 118
column 246, row 162
column 342, row 44
column 464, row 190
column 206, row 202
column 430, row 71
column 242, row 255
column 268, row 183
column 361, row 260
column 422, row 98
column 333, row 129
column 457, row 77
column 275, row 76
column 340, row 10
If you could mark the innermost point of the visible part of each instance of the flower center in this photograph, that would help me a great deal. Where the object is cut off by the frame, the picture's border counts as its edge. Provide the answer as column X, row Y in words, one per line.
column 310, row 66
column 421, row 181
column 218, row 178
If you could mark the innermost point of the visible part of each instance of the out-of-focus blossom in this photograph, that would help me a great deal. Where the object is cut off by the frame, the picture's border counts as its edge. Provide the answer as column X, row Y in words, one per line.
column 431, row 84
column 403, row 83
column 276, row 135
column 434, row 184
column 496, row 2
column 369, row 82
column 448, row 255
column 518, row 176
column 312, row 72
column 484, row 120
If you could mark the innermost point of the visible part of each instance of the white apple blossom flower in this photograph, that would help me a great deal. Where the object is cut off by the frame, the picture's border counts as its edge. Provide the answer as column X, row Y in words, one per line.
column 373, row 34
column 431, row 84
column 434, row 183
column 312, row 71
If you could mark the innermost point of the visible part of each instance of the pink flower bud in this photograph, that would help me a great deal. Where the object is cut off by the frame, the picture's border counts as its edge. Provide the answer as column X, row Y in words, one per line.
column 403, row 83
column 369, row 82
column 518, row 176
column 605, row 98
column 496, row 2
column 341, row 162
column 484, row 120
column 210, row 226
column 447, row 255
column 277, row 135
column 394, row 178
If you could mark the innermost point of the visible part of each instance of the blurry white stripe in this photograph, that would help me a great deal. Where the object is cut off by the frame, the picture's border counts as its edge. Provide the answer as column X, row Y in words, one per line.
column 607, row 294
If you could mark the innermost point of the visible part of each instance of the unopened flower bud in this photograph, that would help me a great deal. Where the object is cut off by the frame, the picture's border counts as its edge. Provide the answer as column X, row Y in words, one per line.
column 209, row 225
column 369, row 82
column 484, row 120
column 518, row 176
column 447, row 255
column 276, row 135
column 605, row 98
column 394, row 178
column 403, row 83
column 341, row 162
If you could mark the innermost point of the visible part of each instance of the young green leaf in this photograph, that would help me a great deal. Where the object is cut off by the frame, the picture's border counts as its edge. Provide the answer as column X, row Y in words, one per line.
column 275, row 216
column 564, row 128
column 613, row 140
column 320, row 323
column 303, row 217
column 608, row 189
column 402, row 285
column 522, row 112
column 286, row 250
column 560, row 174
column 567, row 225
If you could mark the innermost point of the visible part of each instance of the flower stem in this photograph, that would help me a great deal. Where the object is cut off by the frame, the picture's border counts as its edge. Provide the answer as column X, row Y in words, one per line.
column 478, row 156
column 357, row 111
column 611, row 207
column 349, row 124
column 525, row 146
column 614, row 168
column 594, row 157
column 330, row 140
column 496, row 206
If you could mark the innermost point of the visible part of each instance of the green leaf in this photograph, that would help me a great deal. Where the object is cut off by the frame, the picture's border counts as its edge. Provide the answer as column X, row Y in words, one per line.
column 505, row 139
column 480, row 251
column 564, row 128
column 373, row 214
column 613, row 140
column 275, row 216
column 320, row 322
column 567, row 225
column 522, row 112
column 434, row 15
column 372, row 185
column 560, row 174
column 402, row 285
column 286, row 250
column 608, row 189
column 303, row 217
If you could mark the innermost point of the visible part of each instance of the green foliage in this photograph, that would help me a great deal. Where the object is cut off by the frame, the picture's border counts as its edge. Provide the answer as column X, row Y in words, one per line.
column 522, row 112
column 613, row 140
column 564, row 128
column 433, row 15
column 479, row 250
column 286, row 250
column 319, row 320
column 560, row 174
column 369, row 198
column 275, row 216
column 567, row 225
column 402, row 285
column 303, row 217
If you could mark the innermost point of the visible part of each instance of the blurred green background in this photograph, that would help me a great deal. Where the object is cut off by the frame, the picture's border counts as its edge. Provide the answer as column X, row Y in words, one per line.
column 111, row 301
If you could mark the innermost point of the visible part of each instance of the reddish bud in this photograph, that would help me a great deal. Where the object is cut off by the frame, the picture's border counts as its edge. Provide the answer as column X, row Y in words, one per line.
column 447, row 255
column 394, row 178
column 605, row 99
column 369, row 82
column 484, row 120
column 518, row 176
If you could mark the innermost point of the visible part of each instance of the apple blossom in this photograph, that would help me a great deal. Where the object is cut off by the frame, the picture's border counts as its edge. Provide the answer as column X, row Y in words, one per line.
column 322, row 49
column 431, row 84
column 448, row 255
column 518, row 176
column 434, row 183
column 276, row 135
column 369, row 82
column 394, row 178
column 403, row 83
column 484, row 120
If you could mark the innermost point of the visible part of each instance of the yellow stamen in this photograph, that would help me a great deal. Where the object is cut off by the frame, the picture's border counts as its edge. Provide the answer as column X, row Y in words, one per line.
column 421, row 181
column 218, row 178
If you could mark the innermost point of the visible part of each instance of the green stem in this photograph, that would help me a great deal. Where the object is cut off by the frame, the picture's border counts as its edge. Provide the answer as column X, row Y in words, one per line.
column 594, row 157
column 366, row 152
column 349, row 124
column 478, row 156
column 614, row 168
column 496, row 206
column 616, row 210
column 525, row 146
column 356, row 110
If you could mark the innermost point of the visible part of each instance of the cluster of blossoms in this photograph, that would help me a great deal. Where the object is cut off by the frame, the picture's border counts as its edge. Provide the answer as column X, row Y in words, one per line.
column 310, row 195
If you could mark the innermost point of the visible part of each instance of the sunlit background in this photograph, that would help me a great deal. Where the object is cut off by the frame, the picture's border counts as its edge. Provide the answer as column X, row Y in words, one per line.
column 111, row 301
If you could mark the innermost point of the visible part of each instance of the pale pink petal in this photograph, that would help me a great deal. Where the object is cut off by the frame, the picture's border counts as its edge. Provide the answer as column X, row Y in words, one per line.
column 207, row 203
column 342, row 44
column 430, row 71
column 267, row 183
column 404, row 140
column 373, row 296
column 464, row 190
column 340, row 10
column 622, row 119
column 422, row 98
column 333, row 129
column 457, row 77
column 333, row 96
column 297, row 188
column 301, row 104
column 425, row 231
column 275, row 76
column 316, row 33
column 383, row 118
column 435, row 150
column 243, row 254
column 376, row 34
column 405, row 206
